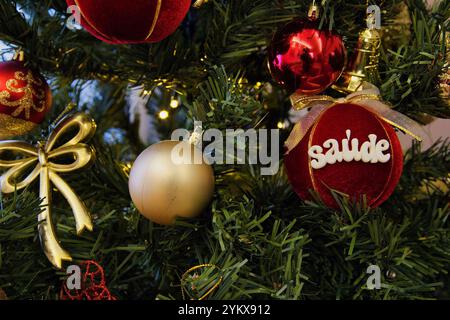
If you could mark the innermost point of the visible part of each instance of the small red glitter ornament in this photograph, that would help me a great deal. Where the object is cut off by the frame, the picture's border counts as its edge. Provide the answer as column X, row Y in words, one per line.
column 305, row 59
column 93, row 284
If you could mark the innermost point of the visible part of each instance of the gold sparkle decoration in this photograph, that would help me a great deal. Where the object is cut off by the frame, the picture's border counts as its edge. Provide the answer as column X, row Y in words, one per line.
column 26, row 103
column 10, row 124
column 42, row 161
column 196, row 286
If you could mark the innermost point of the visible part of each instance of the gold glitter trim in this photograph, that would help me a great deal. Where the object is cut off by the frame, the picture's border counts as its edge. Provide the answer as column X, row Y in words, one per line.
column 26, row 103
column 10, row 126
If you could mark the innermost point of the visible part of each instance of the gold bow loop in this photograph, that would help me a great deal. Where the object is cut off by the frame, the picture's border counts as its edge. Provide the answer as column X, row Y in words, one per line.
column 7, row 183
column 369, row 98
column 43, row 159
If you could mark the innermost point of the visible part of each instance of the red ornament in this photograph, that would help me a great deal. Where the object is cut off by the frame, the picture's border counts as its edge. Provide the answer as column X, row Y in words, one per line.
column 93, row 284
column 137, row 21
column 25, row 99
column 304, row 59
column 372, row 167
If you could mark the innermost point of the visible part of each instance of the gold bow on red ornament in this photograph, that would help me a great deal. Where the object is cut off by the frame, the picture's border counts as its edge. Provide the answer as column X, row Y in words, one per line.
column 43, row 157
column 369, row 98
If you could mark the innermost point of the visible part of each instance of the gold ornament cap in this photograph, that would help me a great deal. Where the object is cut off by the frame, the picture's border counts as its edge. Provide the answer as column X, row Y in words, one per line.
column 313, row 12
column 19, row 55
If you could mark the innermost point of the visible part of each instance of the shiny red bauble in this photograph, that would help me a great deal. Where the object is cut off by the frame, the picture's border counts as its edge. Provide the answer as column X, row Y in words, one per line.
column 304, row 59
column 136, row 21
column 354, row 177
column 25, row 99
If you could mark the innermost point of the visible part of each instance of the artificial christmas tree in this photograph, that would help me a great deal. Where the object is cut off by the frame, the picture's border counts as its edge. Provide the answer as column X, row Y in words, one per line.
column 255, row 239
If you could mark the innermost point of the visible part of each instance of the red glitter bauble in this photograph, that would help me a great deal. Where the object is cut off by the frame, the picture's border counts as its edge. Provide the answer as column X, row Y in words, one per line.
column 374, row 178
column 304, row 59
column 137, row 21
column 25, row 99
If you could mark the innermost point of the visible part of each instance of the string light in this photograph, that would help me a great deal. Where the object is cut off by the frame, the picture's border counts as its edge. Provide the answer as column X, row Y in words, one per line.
column 258, row 85
column 281, row 125
column 174, row 103
column 163, row 114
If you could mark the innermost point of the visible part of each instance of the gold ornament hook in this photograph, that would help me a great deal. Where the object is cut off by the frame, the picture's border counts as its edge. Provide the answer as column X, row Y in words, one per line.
column 42, row 157
column 197, row 4
column 314, row 11
column 19, row 55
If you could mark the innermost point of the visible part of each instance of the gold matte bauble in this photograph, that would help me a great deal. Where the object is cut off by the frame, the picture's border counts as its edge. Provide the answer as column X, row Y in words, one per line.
column 163, row 189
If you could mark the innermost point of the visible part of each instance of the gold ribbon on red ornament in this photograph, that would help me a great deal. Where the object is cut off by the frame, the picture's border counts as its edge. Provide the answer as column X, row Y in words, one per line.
column 369, row 98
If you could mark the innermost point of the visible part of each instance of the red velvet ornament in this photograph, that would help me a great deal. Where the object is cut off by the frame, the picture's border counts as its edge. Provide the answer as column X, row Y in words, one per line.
column 137, row 21
column 304, row 59
column 93, row 284
column 25, row 99
column 355, row 178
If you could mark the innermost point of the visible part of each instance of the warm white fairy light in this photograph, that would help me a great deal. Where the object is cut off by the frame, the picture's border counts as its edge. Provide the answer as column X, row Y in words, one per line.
column 163, row 114
column 174, row 103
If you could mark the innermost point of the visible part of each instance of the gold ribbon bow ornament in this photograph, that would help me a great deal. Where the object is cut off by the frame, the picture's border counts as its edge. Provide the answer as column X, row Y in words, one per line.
column 43, row 157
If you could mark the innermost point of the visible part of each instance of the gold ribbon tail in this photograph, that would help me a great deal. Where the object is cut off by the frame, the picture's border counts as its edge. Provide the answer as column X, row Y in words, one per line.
column 80, row 212
column 53, row 250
